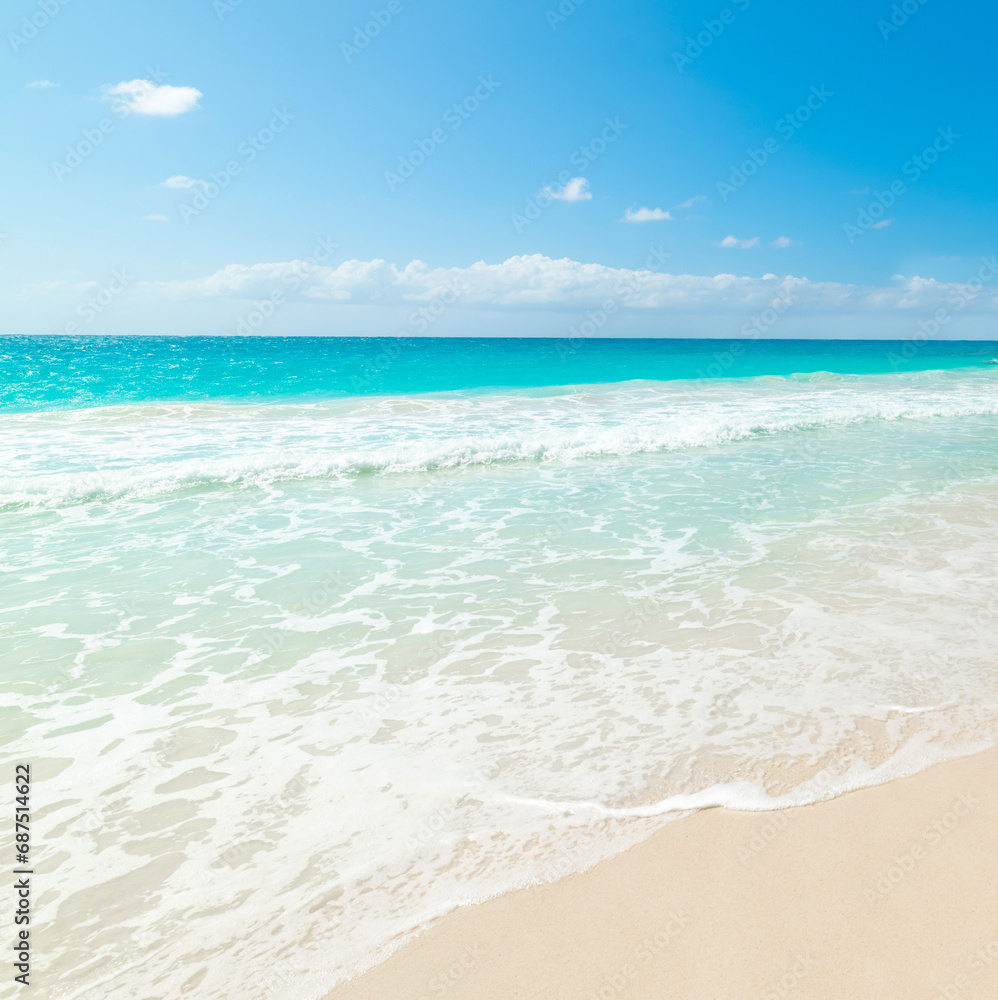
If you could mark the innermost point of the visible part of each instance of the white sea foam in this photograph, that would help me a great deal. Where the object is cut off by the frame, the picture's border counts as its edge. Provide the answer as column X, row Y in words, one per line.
column 155, row 449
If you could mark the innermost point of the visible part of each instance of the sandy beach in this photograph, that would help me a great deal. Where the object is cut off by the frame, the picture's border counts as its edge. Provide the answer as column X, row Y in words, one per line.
column 888, row 892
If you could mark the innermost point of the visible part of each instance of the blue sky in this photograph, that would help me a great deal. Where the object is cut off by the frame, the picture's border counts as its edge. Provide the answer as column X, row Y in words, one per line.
column 586, row 111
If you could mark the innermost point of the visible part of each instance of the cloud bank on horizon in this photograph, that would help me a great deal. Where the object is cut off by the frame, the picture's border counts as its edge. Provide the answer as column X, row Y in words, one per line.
column 535, row 281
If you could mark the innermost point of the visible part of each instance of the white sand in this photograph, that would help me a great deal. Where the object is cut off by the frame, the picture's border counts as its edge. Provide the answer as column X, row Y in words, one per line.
column 888, row 893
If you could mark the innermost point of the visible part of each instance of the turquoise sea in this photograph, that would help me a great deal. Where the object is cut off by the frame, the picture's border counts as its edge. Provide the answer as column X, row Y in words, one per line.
column 313, row 639
column 101, row 371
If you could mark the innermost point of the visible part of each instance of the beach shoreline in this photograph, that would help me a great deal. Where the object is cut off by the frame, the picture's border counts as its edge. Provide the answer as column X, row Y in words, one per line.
column 888, row 891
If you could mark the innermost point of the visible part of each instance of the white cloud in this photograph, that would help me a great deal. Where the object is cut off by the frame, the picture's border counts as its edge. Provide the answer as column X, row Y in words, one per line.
column 782, row 241
column 733, row 241
column 143, row 97
column 646, row 215
column 539, row 282
column 882, row 223
column 577, row 189
column 41, row 83
column 155, row 218
column 180, row 182
column 695, row 200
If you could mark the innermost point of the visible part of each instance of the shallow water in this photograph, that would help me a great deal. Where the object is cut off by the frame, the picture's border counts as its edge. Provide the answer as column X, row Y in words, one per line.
column 302, row 669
